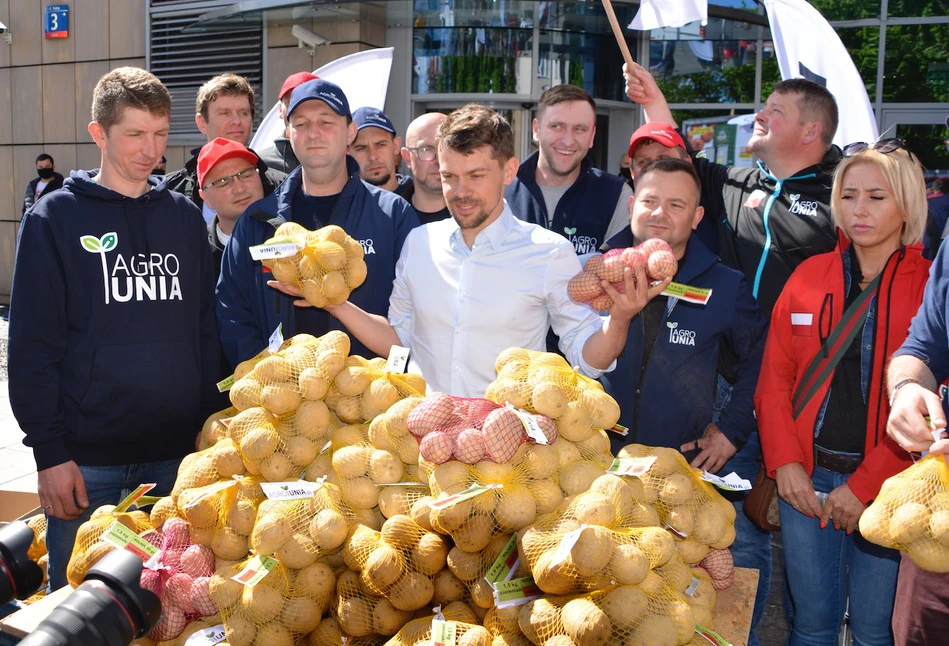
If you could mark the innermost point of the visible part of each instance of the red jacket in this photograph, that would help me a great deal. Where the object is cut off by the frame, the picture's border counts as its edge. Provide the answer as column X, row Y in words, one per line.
column 815, row 292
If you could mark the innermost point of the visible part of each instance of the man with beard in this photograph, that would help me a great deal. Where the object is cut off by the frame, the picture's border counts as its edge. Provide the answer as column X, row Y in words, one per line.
column 375, row 149
column 470, row 287
column 557, row 187
column 424, row 188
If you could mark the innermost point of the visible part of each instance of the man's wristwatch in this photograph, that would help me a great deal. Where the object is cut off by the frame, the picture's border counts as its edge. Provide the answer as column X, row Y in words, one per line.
column 900, row 384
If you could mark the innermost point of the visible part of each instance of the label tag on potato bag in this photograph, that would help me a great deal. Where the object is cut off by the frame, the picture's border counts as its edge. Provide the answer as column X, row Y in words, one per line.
column 398, row 359
column 697, row 295
column 300, row 489
column 693, row 586
column 504, row 565
column 516, row 592
column 443, row 632
column 567, row 542
column 255, row 570
column 731, row 482
column 631, row 466
column 283, row 248
column 129, row 501
column 454, row 499
column 711, row 637
column 124, row 538
column 276, row 339
column 531, row 426
column 217, row 487
column 207, row 637
column 224, row 385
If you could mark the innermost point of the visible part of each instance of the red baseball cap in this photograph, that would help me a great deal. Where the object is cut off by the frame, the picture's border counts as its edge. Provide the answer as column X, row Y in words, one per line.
column 661, row 132
column 293, row 81
column 218, row 150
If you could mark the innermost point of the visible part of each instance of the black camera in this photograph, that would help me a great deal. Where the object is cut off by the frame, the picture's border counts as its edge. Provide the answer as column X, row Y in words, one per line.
column 110, row 608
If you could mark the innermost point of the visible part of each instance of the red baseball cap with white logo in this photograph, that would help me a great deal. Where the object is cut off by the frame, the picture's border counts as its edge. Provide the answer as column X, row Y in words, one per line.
column 657, row 131
column 293, row 81
column 218, row 150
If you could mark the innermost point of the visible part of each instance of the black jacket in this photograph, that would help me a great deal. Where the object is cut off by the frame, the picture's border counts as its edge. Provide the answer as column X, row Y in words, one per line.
column 767, row 226
column 185, row 181
column 113, row 345
column 279, row 156
column 30, row 197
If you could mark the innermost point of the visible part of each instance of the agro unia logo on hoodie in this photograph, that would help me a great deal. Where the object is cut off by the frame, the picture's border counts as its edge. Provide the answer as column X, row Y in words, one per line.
column 142, row 277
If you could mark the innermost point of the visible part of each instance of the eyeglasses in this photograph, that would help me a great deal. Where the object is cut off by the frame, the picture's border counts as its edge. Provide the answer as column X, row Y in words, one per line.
column 884, row 146
column 226, row 181
column 424, row 153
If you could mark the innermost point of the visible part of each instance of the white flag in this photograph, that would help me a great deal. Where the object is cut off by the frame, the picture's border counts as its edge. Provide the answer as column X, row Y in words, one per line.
column 653, row 14
column 808, row 47
column 363, row 77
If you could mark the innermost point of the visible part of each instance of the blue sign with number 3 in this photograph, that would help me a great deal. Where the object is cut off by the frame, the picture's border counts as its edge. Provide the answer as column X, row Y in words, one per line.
column 57, row 21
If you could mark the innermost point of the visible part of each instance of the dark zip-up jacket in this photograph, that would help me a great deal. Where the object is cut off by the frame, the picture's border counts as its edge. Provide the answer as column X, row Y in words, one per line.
column 55, row 183
column 113, row 344
column 669, row 401
column 584, row 212
column 279, row 156
column 809, row 309
column 185, row 181
column 249, row 311
column 767, row 227
column 217, row 248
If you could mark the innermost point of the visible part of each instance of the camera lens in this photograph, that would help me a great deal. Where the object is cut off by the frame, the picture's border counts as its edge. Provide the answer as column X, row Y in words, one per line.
column 109, row 609
column 19, row 576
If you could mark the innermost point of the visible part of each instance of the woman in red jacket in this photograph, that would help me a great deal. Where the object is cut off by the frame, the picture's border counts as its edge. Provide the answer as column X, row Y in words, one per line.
column 823, row 424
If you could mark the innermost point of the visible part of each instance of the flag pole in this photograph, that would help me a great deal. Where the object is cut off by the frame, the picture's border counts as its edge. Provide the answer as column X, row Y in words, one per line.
column 618, row 33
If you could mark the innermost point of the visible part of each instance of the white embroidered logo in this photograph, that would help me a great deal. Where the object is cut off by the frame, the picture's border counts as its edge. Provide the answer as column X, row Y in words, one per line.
column 802, row 207
column 680, row 337
column 152, row 277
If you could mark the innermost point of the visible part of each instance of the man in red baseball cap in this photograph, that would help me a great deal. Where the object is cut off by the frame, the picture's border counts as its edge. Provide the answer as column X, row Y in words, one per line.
column 279, row 154
column 229, row 182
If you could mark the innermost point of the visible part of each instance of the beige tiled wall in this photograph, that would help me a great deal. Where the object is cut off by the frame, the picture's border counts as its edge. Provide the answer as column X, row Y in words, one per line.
column 46, row 92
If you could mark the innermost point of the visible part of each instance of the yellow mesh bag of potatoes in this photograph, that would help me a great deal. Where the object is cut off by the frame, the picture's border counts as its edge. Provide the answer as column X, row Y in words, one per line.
column 302, row 370
column 270, row 604
column 362, row 612
column 215, row 463
column 215, row 427
column 222, row 515
column 390, row 432
column 472, row 430
column 363, row 389
column 687, row 505
column 299, row 531
column 911, row 514
column 466, row 577
column 89, row 546
column 474, row 503
column 327, row 264
column 583, row 546
column 649, row 613
column 330, row 633
column 423, row 632
column 543, row 382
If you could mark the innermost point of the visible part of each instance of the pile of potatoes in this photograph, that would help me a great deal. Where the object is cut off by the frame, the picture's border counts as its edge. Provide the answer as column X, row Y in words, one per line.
column 328, row 266
column 911, row 514
column 468, row 631
column 362, row 390
column 696, row 514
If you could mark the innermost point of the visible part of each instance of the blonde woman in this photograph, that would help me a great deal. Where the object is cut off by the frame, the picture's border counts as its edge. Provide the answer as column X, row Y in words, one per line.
column 821, row 399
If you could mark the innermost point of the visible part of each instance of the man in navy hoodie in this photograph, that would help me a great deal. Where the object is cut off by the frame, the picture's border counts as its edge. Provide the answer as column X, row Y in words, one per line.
column 113, row 355
column 325, row 189
column 665, row 379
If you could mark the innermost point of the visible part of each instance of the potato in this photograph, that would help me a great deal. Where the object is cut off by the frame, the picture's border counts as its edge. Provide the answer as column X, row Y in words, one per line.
column 352, row 381
column 360, row 493
column 280, row 398
column 677, row 490
column 259, row 443
column 549, row 399
column 318, row 582
column 328, row 529
column 356, row 272
column 378, row 398
column 301, row 451
column 297, row 552
column 261, row 603
column 547, row 495
column 516, row 508
column 300, row 615
column 579, row 477
column 362, row 541
column 430, row 555
column 277, row 467
column 909, row 522
column 603, row 409
column 585, row 622
column 245, row 394
column 228, row 544
column 270, row 533
column 385, row 467
column 625, row 605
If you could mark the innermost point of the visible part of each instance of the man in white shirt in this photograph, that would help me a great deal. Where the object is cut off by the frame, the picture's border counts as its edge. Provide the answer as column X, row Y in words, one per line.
column 470, row 287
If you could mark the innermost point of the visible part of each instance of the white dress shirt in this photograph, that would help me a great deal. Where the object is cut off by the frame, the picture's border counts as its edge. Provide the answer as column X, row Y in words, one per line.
column 457, row 309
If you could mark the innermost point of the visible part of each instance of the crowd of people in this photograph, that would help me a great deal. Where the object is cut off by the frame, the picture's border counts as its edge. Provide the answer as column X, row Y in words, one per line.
column 134, row 293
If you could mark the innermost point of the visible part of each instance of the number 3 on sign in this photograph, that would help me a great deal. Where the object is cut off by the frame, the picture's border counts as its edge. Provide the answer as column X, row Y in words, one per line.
column 57, row 21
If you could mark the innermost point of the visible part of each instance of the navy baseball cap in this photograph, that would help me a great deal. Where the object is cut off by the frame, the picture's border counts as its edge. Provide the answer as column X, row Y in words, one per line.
column 321, row 89
column 372, row 117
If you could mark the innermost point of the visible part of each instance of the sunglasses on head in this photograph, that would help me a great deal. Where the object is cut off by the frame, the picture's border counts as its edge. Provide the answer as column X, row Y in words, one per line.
column 884, row 146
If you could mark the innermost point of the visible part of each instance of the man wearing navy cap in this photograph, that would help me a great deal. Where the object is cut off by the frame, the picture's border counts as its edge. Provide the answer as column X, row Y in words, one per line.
column 279, row 155
column 375, row 149
column 325, row 189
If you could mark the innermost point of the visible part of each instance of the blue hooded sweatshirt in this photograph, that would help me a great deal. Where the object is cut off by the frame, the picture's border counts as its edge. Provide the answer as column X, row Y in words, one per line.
column 249, row 311
column 113, row 345
column 670, row 401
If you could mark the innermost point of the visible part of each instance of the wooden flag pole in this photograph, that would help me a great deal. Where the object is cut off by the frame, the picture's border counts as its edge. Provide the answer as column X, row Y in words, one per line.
column 618, row 32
